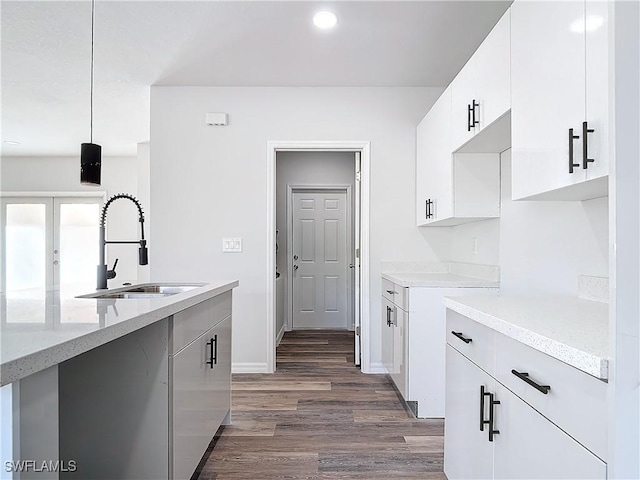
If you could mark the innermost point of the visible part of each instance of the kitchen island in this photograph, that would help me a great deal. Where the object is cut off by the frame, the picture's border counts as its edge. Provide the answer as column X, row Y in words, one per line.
column 114, row 388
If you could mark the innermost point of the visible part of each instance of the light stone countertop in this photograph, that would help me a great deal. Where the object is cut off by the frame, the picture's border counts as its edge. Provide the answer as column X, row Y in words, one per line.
column 437, row 279
column 36, row 334
column 572, row 330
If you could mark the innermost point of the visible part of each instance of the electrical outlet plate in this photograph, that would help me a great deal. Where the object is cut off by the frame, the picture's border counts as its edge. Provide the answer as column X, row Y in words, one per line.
column 232, row 245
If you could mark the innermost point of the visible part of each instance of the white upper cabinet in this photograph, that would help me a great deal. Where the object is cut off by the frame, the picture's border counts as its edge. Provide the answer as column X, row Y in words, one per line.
column 452, row 188
column 559, row 100
column 434, row 177
column 481, row 91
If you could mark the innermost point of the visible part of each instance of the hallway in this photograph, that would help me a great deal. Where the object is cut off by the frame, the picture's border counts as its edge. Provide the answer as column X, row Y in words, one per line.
column 319, row 417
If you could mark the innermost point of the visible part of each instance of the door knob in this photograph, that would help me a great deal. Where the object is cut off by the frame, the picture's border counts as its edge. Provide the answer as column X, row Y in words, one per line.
column 295, row 257
column 295, row 267
column 351, row 265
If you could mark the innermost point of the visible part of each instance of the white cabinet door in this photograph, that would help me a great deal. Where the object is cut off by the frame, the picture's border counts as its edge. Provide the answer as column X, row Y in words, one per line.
column 468, row 454
column 493, row 81
column 463, row 95
column 200, row 396
column 434, row 177
column 597, row 87
column 547, row 95
column 387, row 334
column 399, row 371
column 530, row 446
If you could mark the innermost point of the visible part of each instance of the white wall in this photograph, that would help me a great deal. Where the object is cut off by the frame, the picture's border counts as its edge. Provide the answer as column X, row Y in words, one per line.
column 306, row 168
column 62, row 174
column 211, row 182
column 541, row 247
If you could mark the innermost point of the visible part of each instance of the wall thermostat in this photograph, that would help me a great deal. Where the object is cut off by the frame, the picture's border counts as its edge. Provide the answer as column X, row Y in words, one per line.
column 217, row 119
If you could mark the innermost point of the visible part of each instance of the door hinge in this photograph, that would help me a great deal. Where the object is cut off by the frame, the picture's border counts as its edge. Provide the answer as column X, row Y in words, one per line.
column 357, row 176
column 358, row 331
column 357, row 253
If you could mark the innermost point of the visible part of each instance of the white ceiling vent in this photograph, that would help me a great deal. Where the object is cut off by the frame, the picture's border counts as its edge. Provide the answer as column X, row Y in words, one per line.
column 217, row 119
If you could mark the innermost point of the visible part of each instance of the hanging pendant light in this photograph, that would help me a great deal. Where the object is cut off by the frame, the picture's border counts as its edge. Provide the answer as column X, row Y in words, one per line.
column 91, row 153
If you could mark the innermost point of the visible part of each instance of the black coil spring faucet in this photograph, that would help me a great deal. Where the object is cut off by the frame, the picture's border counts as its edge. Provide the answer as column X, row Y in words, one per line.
column 143, row 256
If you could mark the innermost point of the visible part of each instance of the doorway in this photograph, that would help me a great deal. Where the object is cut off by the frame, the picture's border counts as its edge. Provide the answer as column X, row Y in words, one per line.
column 359, row 291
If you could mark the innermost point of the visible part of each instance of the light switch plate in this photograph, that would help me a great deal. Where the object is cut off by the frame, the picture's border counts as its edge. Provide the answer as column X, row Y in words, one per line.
column 232, row 245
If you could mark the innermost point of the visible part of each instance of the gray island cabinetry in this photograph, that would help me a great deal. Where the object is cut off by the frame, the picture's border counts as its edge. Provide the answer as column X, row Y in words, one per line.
column 143, row 405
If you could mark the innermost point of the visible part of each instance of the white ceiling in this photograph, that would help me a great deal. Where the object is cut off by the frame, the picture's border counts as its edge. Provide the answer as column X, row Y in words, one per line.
column 46, row 57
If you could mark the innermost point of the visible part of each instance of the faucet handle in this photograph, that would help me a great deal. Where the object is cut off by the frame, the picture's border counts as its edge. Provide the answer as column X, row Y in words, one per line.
column 112, row 273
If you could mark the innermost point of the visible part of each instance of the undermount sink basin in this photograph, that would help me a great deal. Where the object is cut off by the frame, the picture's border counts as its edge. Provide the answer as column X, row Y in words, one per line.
column 149, row 290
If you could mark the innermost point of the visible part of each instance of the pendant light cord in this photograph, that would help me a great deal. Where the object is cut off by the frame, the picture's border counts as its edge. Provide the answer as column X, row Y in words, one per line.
column 93, row 15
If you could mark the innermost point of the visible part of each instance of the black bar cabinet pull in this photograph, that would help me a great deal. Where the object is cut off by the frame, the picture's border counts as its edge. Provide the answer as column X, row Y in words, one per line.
column 483, row 394
column 524, row 376
column 388, row 316
column 428, row 205
column 211, row 361
column 215, row 351
column 492, row 403
column 585, row 155
column 474, row 104
column 469, row 124
column 462, row 337
column 572, row 137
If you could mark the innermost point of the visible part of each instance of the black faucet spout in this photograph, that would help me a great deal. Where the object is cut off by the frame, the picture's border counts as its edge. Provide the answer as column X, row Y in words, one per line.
column 143, row 256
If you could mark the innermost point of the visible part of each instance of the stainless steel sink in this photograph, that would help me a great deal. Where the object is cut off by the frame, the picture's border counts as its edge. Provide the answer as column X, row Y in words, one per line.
column 149, row 290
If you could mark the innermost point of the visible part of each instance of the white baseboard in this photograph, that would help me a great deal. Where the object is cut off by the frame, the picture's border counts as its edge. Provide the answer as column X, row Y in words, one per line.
column 376, row 368
column 280, row 335
column 247, row 367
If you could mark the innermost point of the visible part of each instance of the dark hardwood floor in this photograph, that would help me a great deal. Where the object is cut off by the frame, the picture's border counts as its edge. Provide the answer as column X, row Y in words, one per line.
column 319, row 417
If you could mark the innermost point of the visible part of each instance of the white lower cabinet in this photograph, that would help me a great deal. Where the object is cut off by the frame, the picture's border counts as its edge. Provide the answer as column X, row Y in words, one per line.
column 467, row 452
column 200, row 396
column 413, row 340
column 530, row 446
column 493, row 433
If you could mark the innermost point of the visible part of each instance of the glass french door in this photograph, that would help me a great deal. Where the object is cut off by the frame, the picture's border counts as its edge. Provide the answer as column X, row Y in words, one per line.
column 48, row 243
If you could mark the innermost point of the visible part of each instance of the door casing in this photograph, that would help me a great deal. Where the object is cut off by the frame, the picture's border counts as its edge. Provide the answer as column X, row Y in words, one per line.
column 364, row 147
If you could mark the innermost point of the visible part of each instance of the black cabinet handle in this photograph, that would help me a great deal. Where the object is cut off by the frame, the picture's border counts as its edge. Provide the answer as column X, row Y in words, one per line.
column 388, row 316
column 524, row 376
column 572, row 137
column 474, row 105
column 391, row 292
column 428, row 205
column 483, row 394
column 585, row 155
column 469, row 124
column 213, row 351
column 492, row 403
column 462, row 337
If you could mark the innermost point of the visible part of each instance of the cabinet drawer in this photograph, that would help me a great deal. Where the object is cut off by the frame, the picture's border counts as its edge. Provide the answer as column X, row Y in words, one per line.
column 480, row 347
column 193, row 322
column 396, row 294
column 573, row 397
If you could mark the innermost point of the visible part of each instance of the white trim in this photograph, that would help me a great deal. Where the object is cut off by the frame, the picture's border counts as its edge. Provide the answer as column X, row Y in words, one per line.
column 249, row 367
column 332, row 146
column 88, row 193
column 291, row 188
column 377, row 368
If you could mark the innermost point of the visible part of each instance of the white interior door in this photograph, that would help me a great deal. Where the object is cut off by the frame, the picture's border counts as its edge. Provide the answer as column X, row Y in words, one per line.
column 320, row 259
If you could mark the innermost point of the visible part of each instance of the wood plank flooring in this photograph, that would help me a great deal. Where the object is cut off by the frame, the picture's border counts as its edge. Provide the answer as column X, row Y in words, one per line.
column 319, row 417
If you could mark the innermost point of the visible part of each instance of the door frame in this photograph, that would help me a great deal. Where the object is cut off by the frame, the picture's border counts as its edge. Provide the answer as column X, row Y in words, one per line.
column 291, row 189
column 364, row 147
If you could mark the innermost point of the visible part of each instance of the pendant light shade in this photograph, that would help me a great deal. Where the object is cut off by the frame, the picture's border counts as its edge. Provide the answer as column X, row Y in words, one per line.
column 90, row 163
column 91, row 153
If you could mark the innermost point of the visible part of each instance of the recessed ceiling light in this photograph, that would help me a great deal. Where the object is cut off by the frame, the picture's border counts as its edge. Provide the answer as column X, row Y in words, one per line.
column 589, row 24
column 11, row 142
column 325, row 19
